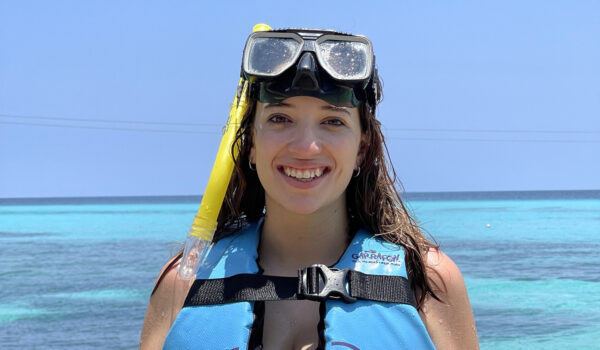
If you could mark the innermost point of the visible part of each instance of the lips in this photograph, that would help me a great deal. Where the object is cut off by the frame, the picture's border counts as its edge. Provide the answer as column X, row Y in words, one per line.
column 304, row 174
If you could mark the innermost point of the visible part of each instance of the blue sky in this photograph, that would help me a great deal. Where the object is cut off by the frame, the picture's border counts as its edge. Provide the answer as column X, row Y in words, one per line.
column 479, row 95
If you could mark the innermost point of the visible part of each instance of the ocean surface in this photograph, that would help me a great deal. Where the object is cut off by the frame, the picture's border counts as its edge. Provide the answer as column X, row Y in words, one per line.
column 76, row 273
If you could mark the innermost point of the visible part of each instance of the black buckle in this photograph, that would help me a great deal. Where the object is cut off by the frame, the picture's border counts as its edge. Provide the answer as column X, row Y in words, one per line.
column 319, row 282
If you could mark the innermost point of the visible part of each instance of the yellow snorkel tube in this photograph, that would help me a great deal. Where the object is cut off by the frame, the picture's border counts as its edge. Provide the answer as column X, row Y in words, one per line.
column 205, row 223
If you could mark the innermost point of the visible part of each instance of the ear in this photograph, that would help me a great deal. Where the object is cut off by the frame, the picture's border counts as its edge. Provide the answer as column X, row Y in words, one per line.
column 252, row 148
column 362, row 151
column 252, row 133
column 251, row 155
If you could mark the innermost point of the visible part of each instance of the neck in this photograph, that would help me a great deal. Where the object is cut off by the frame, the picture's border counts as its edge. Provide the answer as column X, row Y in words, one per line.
column 292, row 241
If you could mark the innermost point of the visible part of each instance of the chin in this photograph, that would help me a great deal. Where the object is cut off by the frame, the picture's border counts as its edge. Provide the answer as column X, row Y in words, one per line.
column 302, row 208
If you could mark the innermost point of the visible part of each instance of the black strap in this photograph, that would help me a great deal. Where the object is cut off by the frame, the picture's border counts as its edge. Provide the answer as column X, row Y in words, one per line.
column 243, row 287
column 316, row 282
column 392, row 289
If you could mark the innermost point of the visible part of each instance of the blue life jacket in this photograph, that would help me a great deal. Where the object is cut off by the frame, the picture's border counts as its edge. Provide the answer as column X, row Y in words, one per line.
column 363, row 324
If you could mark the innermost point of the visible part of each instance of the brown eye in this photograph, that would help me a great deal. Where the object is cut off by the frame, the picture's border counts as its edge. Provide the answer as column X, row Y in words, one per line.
column 278, row 119
column 334, row 122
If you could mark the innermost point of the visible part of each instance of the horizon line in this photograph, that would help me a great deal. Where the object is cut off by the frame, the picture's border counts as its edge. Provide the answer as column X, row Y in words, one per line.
column 201, row 195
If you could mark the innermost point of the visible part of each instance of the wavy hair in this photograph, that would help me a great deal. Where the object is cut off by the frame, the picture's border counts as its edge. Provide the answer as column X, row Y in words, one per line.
column 372, row 199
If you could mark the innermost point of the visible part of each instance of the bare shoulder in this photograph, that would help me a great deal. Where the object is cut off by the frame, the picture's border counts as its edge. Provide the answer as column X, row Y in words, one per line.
column 450, row 323
column 165, row 302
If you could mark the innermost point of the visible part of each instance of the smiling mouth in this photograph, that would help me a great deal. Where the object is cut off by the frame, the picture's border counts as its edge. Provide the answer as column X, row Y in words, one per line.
column 304, row 175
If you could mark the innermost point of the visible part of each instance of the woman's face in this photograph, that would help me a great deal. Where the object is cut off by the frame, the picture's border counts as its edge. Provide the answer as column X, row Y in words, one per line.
column 305, row 152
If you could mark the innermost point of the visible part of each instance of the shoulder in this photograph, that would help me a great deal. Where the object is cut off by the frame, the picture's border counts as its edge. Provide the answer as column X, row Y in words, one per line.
column 166, row 300
column 443, row 272
column 450, row 323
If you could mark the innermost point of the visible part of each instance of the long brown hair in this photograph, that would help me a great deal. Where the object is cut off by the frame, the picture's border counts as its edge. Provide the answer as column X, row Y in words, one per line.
column 372, row 199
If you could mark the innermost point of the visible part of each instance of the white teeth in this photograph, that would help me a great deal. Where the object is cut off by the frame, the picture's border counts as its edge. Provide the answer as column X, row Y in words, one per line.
column 303, row 174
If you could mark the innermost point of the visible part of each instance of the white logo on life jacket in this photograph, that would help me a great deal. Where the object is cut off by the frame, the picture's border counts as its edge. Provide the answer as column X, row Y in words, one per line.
column 375, row 257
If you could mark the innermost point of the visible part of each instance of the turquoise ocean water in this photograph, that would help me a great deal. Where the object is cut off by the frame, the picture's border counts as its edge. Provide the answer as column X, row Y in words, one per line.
column 77, row 273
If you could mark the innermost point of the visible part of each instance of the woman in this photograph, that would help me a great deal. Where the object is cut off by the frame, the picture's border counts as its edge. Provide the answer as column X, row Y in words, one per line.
column 311, row 186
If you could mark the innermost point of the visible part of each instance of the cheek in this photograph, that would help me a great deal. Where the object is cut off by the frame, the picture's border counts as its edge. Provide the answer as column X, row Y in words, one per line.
column 348, row 147
column 268, row 142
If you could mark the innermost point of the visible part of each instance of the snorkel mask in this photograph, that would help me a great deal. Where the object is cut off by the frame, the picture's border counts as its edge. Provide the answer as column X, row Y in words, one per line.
column 335, row 67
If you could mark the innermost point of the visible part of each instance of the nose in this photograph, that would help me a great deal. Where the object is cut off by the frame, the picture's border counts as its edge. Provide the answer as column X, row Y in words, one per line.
column 305, row 141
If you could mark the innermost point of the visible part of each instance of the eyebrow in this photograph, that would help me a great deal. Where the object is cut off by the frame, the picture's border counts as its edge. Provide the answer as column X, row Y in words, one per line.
column 278, row 104
column 336, row 109
column 325, row 108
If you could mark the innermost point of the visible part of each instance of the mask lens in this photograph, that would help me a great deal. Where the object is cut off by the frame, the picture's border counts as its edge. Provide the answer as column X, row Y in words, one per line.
column 345, row 60
column 271, row 56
